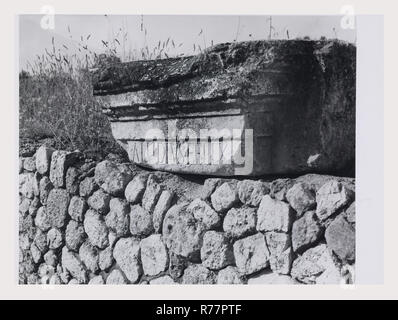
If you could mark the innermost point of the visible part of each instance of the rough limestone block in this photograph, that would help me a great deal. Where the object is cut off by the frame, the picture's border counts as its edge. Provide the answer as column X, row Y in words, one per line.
column 163, row 204
column 204, row 214
column 274, row 215
column 225, row 197
column 182, row 234
column 73, row 264
column 136, row 188
column 154, row 255
column 99, row 201
column 240, row 222
column 140, row 221
column 251, row 192
column 116, row 277
column 340, row 238
column 306, row 232
column 251, row 254
column 198, row 274
column 293, row 133
column 281, row 255
column 57, row 207
column 230, row 275
column 117, row 219
column 301, row 198
column 311, row 264
column 162, row 280
column 55, row 238
column 45, row 186
column 87, row 187
column 96, row 229
column 216, row 252
column 152, row 193
column 331, row 197
column 127, row 256
column 60, row 162
column 43, row 159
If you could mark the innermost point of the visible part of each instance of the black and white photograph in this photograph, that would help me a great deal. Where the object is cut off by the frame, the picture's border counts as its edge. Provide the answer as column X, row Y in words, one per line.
column 187, row 149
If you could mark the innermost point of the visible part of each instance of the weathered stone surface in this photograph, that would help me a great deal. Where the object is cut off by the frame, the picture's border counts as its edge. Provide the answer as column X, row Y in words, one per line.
column 136, row 188
column 340, row 238
column 117, row 219
column 43, row 159
column 251, row 192
column 331, row 197
column 105, row 258
column 182, row 234
column 224, row 197
column 116, row 277
column 45, row 186
column 274, row 215
column 116, row 181
column 24, row 206
column 51, row 258
column 281, row 256
column 301, row 198
column 140, row 221
column 163, row 204
column 36, row 253
column 72, row 180
column 87, row 187
column 40, row 240
column 306, row 231
column 74, row 235
column 89, row 256
column 268, row 277
column 177, row 265
column 154, row 256
column 57, row 207
column 72, row 263
column 311, row 264
column 321, row 138
column 29, row 164
column 350, row 213
column 60, row 162
column 96, row 229
column 26, row 185
column 55, row 238
column 216, row 252
column 209, row 186
column 152, row 193
column 97, row 280
column 102, row 170
column 280, row 187
column 42, row 219
column 34, row 206
column 99, row 201
column 205, row 214
column 331, row 275
column 162, row 280
column 251, row 254
column 198, row 274
column 127, row 256
column 230, row 275
column 77, row 208
column 240, row 222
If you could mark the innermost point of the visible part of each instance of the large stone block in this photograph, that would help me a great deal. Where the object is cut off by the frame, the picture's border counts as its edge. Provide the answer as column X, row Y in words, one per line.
column 297, row 96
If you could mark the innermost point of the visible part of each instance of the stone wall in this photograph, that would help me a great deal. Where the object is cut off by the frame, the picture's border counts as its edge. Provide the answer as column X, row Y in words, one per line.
column 114, row 223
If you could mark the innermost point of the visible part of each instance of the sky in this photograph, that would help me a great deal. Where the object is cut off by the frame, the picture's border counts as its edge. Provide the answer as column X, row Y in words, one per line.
column 135, row 32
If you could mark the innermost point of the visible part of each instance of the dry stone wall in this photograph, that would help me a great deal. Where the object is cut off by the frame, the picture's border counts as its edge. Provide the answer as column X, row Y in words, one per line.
column 108, row 222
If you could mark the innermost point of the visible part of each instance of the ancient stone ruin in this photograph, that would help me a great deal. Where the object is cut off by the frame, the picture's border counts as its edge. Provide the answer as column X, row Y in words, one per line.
column 285, row 107
column 110, row 222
